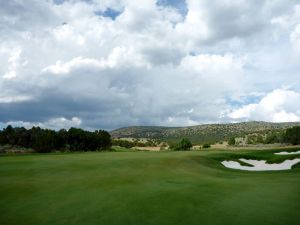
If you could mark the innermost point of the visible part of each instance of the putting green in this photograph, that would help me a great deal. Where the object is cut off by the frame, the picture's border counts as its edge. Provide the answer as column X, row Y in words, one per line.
column 142, row 188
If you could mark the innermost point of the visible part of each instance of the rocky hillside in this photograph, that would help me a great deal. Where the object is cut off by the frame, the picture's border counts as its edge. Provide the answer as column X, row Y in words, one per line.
column 200, row 133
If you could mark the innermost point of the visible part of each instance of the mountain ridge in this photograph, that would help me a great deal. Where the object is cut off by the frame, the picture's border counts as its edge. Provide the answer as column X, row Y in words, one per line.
column 201, row 133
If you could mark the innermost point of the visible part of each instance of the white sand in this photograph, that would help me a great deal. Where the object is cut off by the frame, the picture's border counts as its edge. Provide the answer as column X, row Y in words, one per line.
column 261, row 165
column 287, row 153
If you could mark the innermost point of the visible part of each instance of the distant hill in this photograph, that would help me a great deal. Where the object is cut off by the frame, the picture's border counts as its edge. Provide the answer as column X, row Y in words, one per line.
column 200, row 133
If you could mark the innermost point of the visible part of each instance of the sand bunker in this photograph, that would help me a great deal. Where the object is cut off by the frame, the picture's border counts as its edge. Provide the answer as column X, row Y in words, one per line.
column 287, row 153
column 260, row 165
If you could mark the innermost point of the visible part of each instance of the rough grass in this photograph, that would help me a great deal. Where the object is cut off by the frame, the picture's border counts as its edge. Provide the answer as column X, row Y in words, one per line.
column 145, row 188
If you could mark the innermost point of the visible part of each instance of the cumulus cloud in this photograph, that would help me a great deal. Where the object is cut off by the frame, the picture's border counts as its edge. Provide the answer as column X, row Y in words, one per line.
column 67, row 67
column 152, row 63
column 295, row 39
column 54, row 123
column 279, row 105
column 13, row 64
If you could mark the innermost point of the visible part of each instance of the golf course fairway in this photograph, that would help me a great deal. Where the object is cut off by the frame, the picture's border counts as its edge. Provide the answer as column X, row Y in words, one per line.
column 146, row 188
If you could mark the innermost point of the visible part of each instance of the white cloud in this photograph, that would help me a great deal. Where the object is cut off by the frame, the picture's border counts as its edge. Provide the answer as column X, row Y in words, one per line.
column 208, row 64
column 178, row 121
column 54, row 123
column 13, row 64
column 295, row 39
column 65, row 33
column 280, row 105
column 244, row 112
column 76, row 63
column 290, row 24
column 286, row 21
column 119, row 57
column 195, row 27
column 61, row 122
column 150, row 65
column 13, row 99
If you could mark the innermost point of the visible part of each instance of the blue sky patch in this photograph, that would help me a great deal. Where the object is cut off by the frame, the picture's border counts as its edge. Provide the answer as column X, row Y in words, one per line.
column 180, row 5
column 109, row 12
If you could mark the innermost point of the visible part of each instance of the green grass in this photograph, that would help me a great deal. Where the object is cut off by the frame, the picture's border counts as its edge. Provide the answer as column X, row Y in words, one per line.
column 121, row 149
column 143, row 188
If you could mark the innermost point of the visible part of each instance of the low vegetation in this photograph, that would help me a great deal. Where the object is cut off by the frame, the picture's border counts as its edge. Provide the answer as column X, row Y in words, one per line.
column 133, row 143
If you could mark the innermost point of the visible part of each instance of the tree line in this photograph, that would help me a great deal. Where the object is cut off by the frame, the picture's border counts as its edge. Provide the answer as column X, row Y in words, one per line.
column 288, row 136
column 292, row 135
column 46, row 140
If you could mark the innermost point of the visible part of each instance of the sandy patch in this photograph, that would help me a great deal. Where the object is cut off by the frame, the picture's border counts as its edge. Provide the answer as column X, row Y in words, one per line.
column 224, row 145
column 260, row 165
column 155, row 149
column 287, row 153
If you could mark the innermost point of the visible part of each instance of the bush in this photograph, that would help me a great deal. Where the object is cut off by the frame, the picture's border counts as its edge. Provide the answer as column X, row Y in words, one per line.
column 184, row 145
column 231, row 141
column 206, row 146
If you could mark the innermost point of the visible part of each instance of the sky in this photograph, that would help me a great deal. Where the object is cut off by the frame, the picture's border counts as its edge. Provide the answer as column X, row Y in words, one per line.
column 105, row 64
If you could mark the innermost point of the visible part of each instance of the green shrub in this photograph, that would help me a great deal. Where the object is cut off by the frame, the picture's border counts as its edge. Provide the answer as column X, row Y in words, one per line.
column 206, row 146
column 184, row 145
column 231, row 141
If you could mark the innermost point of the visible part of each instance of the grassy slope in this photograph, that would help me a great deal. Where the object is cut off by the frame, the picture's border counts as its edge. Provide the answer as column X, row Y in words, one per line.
column 144, row 188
